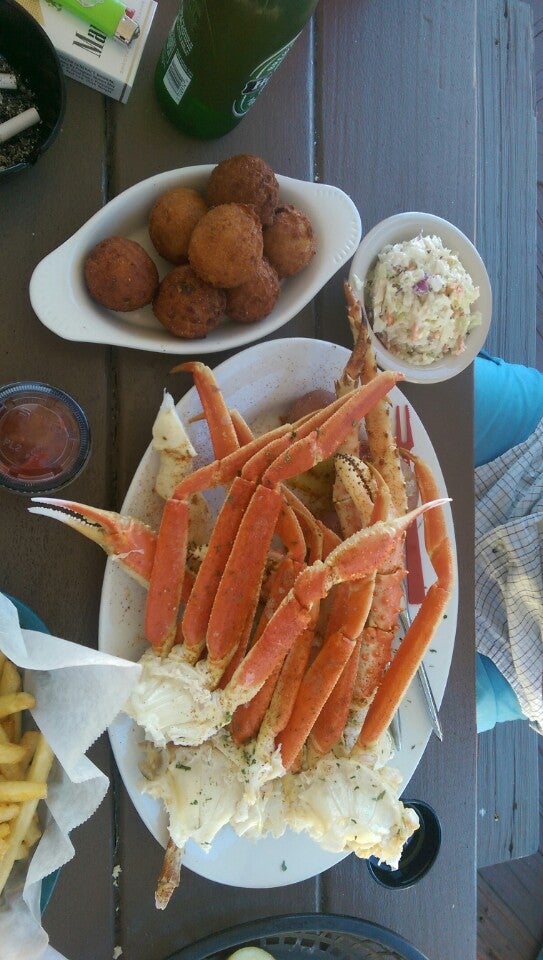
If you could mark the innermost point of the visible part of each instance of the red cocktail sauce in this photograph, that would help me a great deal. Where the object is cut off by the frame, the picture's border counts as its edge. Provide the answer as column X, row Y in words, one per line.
column 44, row 437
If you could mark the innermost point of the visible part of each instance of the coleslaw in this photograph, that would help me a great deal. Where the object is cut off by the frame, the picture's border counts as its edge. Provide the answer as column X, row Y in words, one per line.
column 419, row 298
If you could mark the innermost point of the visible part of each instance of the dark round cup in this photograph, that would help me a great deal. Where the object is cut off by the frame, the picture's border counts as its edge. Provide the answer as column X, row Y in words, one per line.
column 29, row 51
column 418, row 855
column 44, row 438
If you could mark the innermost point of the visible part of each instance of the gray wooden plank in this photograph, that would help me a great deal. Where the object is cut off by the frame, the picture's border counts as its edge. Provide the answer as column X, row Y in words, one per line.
column 285, row 142
column 404, row 65
column 500, row 933
column 44, row 564
column 507, row 793
column 507, row 164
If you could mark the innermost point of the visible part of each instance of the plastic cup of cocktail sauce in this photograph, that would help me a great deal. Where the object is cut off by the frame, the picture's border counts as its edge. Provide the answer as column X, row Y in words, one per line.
column 44, row 438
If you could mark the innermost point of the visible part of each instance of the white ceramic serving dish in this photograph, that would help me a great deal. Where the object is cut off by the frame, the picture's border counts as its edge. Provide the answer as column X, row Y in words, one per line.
column 405, row 226
column 60, row 299
column 261, row 383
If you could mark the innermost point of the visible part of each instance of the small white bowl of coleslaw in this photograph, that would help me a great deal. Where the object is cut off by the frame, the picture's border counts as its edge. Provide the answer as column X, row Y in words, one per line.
column 427, row 295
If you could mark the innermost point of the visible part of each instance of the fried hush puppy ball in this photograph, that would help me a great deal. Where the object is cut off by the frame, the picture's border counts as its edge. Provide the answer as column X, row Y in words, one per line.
column 173, row 217
column 245, row 178
column 289, row 242
column 256, row 298
column 186, row 305
column 226, row 245
column 120, row 274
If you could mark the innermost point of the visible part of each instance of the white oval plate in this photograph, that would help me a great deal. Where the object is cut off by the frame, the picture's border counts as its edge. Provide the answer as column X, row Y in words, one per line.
column 60, row 299
column 260, row 382
column 405, row 226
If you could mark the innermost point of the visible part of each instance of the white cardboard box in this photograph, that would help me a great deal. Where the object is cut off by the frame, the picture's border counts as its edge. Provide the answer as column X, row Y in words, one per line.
column 86, row 54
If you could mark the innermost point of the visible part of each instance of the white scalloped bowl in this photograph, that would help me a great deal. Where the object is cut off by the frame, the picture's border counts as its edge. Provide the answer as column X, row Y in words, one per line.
column 60, row 299
column 405, row 226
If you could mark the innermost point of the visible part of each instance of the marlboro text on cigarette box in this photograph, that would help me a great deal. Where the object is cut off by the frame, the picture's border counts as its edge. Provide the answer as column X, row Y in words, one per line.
column 87, row 54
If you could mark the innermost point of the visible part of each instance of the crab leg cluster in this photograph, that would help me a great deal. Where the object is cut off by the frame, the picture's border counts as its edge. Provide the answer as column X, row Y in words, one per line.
column 251, row 608
column 276, row 621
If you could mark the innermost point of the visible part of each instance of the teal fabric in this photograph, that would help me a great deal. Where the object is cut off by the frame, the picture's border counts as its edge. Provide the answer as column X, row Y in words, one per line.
column 508, row 405
column 496, row 699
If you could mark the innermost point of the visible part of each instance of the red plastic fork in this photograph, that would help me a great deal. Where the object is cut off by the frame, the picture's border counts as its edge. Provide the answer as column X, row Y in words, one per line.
column 415, row 576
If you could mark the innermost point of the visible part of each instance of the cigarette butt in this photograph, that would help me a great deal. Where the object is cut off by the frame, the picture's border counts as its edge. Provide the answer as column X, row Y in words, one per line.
column 19, row 123
column 8, row 81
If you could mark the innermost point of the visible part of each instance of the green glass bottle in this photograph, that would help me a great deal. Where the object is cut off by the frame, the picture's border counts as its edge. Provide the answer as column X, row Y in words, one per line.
column 218, row 57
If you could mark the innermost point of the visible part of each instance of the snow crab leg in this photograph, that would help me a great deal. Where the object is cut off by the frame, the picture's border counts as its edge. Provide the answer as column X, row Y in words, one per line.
column 407, row 659
column 382, row 623
column 370, row 501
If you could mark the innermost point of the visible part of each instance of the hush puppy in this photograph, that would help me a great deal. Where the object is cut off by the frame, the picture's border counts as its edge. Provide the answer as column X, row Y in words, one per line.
column 186, row 305
column 120, row 274
column 289, row 242
column 173, row 217
column 225, row 248
column 245, row 178
column 256, row 298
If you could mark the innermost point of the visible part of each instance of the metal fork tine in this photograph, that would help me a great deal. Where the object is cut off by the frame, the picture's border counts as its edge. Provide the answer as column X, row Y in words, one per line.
column 404, row 438
column 395, row 731
column 424, row 680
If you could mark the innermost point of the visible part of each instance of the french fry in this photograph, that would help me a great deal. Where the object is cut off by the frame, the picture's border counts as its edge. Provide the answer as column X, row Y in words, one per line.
column 10, row 682
column 19, row 791
column 17, row 771
column 22, row 852
column 8, row 811
column 37, row 773
column 15, row 702
column 33, row 833
column 25, row 763
column 12, row 753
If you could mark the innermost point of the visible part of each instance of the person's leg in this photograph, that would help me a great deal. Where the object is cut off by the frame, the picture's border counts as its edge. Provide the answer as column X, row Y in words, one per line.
column 508, row 405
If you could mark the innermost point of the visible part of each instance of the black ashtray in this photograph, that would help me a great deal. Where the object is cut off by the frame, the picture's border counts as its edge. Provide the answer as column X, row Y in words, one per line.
column 28, row 51
column 418, row 855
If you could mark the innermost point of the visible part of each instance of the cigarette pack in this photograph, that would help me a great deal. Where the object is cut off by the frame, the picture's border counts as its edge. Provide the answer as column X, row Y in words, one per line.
column 87, row 54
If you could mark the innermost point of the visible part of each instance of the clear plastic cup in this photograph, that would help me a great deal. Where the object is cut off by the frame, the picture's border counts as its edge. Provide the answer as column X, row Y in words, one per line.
column 44, row 438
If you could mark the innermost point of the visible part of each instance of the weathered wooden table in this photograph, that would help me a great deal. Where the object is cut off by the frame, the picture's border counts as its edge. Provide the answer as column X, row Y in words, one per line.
column 507, row 764
column 378, row 99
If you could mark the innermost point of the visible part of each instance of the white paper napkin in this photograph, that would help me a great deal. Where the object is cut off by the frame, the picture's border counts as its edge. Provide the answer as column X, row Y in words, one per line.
column 77, row 690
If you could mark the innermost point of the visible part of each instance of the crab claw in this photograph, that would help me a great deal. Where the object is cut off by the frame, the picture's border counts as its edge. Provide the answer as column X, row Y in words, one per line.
column 129, row 541
column 352, row 560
